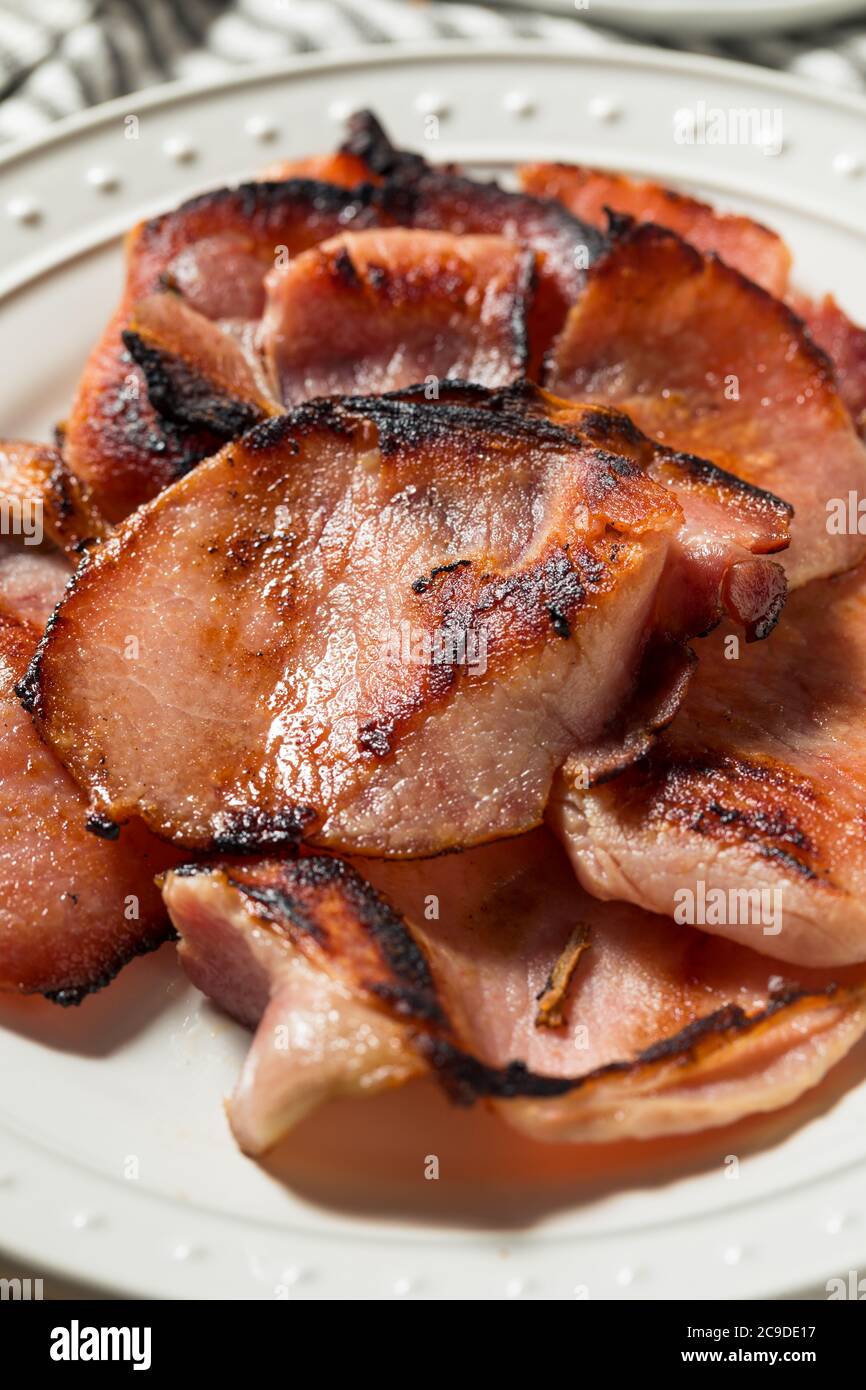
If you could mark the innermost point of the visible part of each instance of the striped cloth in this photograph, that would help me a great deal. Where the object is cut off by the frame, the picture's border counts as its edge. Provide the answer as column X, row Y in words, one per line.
column 59, row 56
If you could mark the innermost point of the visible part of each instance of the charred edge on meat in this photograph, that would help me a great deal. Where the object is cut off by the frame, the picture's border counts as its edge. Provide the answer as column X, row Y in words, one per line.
column 404, row 425
column 252, row 830
column 410, row 181
column 448, row 390
column 267, row 201
column 279, row 905
column 556, row 585
column 420, row 586
column 466, row 1079
column 683, row 789
column 103, row 827
column 366, row 140
column 29, row 689
column 410, row 992
column 405, row 195
column 179, row 394
column 60, row 488
column 709, row 475
column 607, row 427
column 127, row 427
column 70, row 996
column 762, row 627
column 407, row 425
column 305, row 420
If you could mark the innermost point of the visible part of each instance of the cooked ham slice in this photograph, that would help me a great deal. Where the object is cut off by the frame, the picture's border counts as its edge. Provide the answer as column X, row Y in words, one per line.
column 759, row 784
column 351, row 990
column 198, row 374
column 331, row 996
column 367, row 311
column 705, row 361
column 378, row 310
column 46, row 519
column 845, row 345
column 378, row 625
column 215, row 251
column 74, row 907
column 31, row 582
column 726, row 523
column 746, row 245
column 416, row 194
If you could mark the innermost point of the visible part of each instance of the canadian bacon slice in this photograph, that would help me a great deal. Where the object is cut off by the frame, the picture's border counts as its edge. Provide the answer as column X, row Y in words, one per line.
column 303, row 563
column 74, row 907
column 747, row 812
column 378, row 310
column 215, row 251
column 363, row 592
column 46, row 520
column 355, row 985
column 743, row 243
column 705, row 361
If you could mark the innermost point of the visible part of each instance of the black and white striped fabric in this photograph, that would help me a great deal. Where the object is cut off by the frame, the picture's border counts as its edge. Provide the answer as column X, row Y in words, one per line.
column 60, row 56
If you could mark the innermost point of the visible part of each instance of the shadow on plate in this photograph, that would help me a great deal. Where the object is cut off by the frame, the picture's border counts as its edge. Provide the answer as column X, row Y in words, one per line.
column 369, row 1158
column 104, row 1021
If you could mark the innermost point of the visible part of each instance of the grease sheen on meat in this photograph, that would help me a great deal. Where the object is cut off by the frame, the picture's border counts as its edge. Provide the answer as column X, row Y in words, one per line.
column 706, row 361
column 748, row 246
column 381, row 628
column 758, row 785
column 73, row 907
column 378, row 310
column 46, row 519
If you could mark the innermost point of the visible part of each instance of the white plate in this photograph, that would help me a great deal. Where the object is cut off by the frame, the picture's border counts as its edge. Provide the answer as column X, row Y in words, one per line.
column 116, row 1164
column 724, row 17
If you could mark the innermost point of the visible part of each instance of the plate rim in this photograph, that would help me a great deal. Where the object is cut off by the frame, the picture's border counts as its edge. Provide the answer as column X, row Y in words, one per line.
column 718, row 21
column 395, row 54
column 374, row 56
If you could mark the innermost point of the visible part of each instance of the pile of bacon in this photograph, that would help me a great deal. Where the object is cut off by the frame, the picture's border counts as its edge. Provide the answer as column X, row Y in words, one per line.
column 360, row 648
